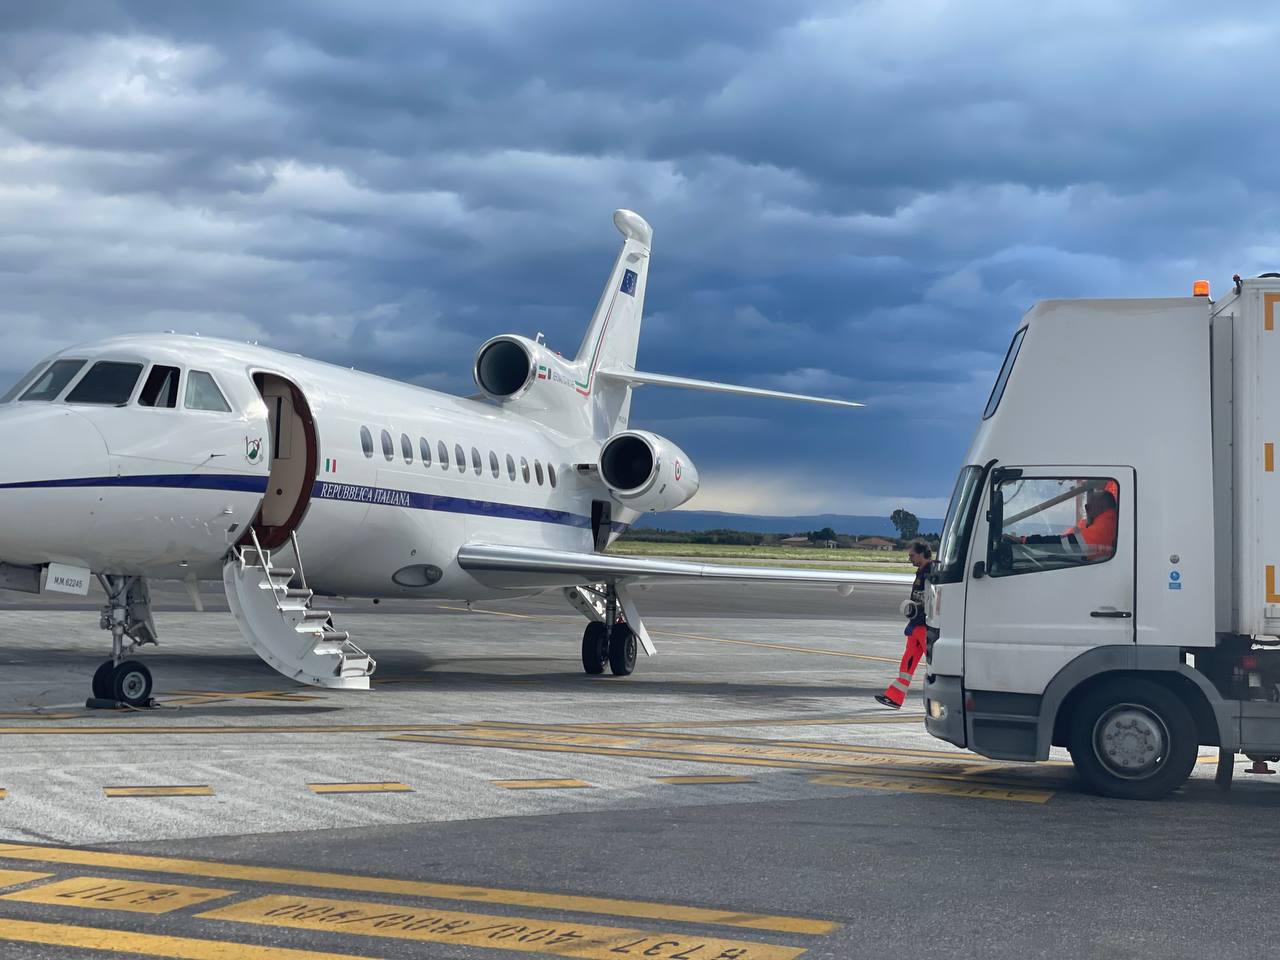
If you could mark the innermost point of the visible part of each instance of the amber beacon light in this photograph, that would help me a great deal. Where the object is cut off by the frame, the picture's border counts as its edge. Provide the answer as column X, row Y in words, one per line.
column 1200, row 288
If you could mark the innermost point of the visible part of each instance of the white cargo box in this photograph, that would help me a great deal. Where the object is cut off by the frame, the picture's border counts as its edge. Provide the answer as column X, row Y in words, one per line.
column 1246, row 433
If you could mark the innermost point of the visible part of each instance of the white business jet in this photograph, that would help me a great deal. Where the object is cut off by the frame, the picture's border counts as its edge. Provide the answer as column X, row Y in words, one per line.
column 177, row 457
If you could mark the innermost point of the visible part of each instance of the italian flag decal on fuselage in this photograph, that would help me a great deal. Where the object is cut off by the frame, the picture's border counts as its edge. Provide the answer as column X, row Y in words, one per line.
column 330, row 465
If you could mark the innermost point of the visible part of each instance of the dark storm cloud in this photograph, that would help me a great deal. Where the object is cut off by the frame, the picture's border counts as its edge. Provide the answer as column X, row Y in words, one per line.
column 855, row 199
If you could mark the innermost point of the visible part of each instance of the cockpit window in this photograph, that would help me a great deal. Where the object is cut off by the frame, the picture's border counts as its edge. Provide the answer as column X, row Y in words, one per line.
column 203, row 394
column 53, row 380
column 161, row 387
column 107, row 382
column 22, row 384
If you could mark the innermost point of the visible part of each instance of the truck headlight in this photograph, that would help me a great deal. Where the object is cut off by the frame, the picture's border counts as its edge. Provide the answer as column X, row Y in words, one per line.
column 937, row 711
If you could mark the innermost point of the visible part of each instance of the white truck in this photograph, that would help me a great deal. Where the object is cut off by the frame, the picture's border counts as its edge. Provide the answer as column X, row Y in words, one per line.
column 1106, row 579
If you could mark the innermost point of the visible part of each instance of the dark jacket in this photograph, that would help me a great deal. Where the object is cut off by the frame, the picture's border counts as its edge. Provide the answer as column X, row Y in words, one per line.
column 917, row 596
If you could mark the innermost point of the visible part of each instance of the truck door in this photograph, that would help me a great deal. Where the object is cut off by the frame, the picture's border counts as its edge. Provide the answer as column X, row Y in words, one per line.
column 1054, row 574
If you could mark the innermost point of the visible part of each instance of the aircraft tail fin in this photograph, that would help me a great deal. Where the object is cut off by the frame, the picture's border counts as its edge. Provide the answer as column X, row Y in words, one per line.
column 614, row 334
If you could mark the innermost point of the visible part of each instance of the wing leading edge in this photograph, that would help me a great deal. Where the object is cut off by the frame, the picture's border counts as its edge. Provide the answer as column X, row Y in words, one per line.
column 506, row 566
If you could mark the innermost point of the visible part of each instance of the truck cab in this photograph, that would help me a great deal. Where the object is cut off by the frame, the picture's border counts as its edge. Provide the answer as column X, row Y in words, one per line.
column 1102, row 580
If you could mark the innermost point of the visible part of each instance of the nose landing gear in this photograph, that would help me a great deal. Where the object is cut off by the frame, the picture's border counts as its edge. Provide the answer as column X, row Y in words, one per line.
column 127, row 613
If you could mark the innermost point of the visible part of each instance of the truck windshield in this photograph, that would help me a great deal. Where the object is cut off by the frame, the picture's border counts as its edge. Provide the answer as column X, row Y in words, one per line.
column 949, row 567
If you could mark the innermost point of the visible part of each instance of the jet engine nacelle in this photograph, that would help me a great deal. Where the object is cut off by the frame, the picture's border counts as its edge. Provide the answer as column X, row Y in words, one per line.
column 647, row 472
column 507, row 366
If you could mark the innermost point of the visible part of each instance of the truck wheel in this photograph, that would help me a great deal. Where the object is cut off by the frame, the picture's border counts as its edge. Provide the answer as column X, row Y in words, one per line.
column 1133, row 739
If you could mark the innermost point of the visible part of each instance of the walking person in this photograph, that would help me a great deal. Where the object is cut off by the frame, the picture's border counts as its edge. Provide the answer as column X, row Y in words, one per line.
column 921, row 558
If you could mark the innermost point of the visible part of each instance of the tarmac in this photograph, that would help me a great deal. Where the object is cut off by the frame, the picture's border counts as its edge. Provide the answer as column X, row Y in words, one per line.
column 740, row 796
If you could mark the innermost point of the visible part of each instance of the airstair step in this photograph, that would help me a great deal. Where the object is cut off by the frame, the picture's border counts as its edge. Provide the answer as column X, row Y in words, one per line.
column 356, row 666
column 316, row 615
column 295, row 592
column 335, row 636
column 283, row 573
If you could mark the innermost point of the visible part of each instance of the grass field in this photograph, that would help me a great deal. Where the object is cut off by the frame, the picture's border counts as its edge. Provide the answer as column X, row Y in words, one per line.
column 837, row 559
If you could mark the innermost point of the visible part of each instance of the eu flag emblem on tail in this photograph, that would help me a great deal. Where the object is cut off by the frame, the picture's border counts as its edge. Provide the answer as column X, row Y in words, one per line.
column 629, row 283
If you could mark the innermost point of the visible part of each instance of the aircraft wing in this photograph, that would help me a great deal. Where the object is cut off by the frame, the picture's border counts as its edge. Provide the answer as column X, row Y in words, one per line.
column 538, row 567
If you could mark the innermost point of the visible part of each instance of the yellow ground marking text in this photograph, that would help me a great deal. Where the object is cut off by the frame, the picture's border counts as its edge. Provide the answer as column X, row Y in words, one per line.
column 388, row 787
column 908, row 785
column 116, row 943
column 559, row 938
column 177, row 790
column 413, row 888
column 100, row 893
column 541, row 784
column 711, row 778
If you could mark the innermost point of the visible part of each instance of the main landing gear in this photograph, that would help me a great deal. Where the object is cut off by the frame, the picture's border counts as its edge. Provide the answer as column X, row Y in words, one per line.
column 611, row 641
column 127, row 613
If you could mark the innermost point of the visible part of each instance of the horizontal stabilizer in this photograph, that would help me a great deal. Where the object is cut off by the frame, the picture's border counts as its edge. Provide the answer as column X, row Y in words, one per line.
column 636, row 378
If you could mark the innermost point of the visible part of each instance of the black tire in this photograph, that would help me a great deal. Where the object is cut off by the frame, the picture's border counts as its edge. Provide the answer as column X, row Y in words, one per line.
column 102, row 680
column 131, row 683
column 1133, row 739
column 622, row 651
column 594, row 653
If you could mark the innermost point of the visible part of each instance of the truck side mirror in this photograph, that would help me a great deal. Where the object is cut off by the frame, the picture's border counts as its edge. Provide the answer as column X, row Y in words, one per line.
column 979, row 570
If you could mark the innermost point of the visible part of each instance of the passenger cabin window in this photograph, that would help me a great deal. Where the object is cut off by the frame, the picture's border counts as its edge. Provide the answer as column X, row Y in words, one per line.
column 511, row 467
column 524, row 469
column 54, row 380
column 551, row 474
column 203, row 394
column 406, row 448
column 160, row 388
column 443, row 451
column 366, row 441
column 1049, row 523
column 108, row 382
column 537, row 471
column 493, row 464
column 460, row 458
column 476, row 465
column 425, row 449
column 388, row 447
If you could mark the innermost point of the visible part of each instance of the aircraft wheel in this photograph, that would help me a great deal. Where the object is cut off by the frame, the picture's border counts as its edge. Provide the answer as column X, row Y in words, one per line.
column 131, row 683
column 622, row 650
column 102, row 680
column 594, row 653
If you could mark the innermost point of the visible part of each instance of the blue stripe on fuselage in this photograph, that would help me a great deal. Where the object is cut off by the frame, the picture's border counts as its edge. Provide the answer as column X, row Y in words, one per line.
column 384, row 496
column 323, row 490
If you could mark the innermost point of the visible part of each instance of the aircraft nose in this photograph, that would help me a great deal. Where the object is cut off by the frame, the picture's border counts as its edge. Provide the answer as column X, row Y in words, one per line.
column 50, row 451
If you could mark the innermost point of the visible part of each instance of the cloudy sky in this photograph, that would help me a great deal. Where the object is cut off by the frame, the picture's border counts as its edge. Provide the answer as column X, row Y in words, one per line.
column 854, row 199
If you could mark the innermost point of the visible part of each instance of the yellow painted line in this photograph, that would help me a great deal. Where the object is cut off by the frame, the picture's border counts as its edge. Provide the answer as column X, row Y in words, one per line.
column 907, row 785
column 133, row 896
column 542, row 784
column 116, row 943
column 38, row 716
column 983, row 773
column 413, row 888
column 140, row 729
column 1272, row 596
column 1269, row 457
column 767, row 722
column 11, row 878
column 682, row 781
column 428, row 925
column 388, row 787
column 778, row 646
column 181, row 790
column 1269, row 301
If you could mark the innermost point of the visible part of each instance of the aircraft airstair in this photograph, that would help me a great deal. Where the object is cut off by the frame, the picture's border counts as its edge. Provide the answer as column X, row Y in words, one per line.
column 277, row 619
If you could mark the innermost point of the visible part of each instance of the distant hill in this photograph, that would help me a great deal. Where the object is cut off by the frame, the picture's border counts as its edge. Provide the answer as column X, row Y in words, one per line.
column 695, row 520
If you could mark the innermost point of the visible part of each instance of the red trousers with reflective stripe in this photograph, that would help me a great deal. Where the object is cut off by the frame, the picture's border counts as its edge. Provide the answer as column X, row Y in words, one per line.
column 897, row 690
